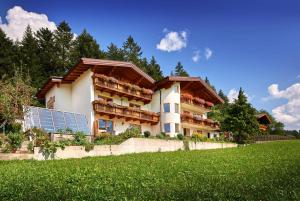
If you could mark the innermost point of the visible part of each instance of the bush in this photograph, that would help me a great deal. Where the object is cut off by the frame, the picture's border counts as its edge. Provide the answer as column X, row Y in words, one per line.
column 161, row 135
column 15, row 140
column 102, row 136
column 80, row 138
column 40, row 136
column 147, row 134
column 131, row 132
column 180, row 136
column 14, row 128
column 30, row 147
column 199, row 137
column 88, row 147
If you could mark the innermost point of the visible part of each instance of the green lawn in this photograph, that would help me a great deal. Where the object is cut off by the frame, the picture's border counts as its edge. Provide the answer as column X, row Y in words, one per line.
column 268, row 171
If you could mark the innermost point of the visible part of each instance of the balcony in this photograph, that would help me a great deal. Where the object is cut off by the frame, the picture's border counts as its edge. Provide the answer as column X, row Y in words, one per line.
column 128, row 113
column 263, row 127
column 188, row 120
column 190, row 103
column 122, row 89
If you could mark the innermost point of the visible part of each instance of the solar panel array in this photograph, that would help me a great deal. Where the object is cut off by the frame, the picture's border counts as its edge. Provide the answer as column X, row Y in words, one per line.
column 55, row 121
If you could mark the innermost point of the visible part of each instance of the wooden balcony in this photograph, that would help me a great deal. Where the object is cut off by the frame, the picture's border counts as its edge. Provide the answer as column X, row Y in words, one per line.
column 122, row 89
column 194, row 104
column 263, row 127
column 117, row 111
column 188, row 120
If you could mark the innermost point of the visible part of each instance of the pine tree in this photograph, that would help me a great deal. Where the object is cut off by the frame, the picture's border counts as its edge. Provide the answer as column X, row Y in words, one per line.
column 153, row 69
column 29, row 58
column 7, row 55
column 241, row 119
column 132, row 51
column 223, row 96
column 209, row 84
column 114, row 53
column 85, row 46
column 179, row 70
column 63, row 38
column 46, row 51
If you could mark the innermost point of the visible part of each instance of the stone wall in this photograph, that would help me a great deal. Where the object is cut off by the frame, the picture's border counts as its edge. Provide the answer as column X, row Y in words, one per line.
column 133, row 145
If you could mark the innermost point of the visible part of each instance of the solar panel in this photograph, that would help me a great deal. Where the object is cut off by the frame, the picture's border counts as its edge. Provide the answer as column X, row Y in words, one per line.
column 54, row 121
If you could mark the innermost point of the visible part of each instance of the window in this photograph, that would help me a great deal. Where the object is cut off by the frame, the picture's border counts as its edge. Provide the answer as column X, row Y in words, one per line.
column 176, row 128
column 105, row 126
column 176, row 89
column 167, row 128
column 166, row 107
column 176, row 108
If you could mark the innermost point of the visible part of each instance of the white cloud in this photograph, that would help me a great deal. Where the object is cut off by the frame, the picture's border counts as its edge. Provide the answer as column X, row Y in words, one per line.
column 18, row 19
column 172, row 41
column 298, row 76
column 208, row 53
column 196, row 56
column 288, row 113
column 233, row 95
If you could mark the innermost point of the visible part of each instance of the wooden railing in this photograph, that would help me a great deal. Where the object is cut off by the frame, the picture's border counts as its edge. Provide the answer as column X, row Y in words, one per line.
column 190, row 101
column 263, row 127
column 129, row 113
column 114, row 86
column 273, row 137
column 200, row 122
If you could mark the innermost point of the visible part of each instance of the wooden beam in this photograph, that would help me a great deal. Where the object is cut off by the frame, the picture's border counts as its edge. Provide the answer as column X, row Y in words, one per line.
column 111, row 71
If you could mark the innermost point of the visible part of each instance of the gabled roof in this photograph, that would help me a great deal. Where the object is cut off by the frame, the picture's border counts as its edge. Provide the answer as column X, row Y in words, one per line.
column 195, row 85
column 263, row 118
column 126, row 70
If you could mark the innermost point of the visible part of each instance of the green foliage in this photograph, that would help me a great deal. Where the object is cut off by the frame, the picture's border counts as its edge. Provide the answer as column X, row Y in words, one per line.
column 161, row 135
column 131, row 132
column 209, row 84
column 80, row 138
column 153, row 69
column 14, row 127
column 69, row 131
column 228, row 174
column 180, row 136
column 15, row 140
column 40, row 136
column 30, row 147
column 223, row 96
column 147, row 134
column 179, row 70
column 114, row 53
column 88, row 146
column 198, row 137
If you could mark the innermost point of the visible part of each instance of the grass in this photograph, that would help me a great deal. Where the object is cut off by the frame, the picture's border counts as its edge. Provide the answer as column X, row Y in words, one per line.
column 269, row 171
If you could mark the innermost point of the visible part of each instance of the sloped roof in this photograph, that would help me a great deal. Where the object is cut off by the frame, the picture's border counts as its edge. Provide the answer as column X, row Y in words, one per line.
column 263, row 117
column 125, row 69
column 195, row 85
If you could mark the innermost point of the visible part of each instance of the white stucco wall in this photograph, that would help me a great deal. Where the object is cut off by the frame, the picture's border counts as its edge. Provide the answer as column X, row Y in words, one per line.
column 63, row 99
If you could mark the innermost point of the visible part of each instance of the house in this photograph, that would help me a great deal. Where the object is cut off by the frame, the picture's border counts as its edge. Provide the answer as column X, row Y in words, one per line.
column 115, row 95
column 263, row 120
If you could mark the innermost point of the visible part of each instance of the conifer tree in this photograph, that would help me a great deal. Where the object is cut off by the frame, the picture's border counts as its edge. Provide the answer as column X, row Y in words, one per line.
column 223, row 96
column 153, row 69
column 114, row 53
column 132, row 51
column 209, row 84
column 179, row 70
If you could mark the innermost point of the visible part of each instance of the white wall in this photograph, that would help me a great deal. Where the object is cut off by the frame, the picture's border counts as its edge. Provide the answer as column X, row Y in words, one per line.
column 63, row 99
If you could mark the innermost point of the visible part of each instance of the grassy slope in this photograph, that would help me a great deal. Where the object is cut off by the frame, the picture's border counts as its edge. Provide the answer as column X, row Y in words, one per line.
column 257, row 172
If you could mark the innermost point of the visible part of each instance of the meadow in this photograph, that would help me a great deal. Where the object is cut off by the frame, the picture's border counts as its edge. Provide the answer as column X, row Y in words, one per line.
column 269, row 171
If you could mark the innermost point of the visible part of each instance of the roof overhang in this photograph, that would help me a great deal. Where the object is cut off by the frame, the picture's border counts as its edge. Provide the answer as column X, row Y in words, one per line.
column 112, row 68
column 264, row 118
column 195, row 85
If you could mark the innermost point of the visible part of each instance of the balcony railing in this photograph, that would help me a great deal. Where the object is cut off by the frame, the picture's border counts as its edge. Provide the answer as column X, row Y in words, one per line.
column 198, row 121
column 129, row 113
column 263, row 127
column 123, row 89
column 189, row 99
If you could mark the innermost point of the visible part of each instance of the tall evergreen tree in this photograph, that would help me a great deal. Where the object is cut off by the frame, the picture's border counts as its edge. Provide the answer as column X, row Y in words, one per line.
column 7, row 55
column 114, row 53
column 132, row 51
column 209, row 84
column 85, row 46
column 179, row 70
column 29, row 58
column 46, row 51
column 153, row 69
column 63, row 38
column 241, row 119
column 223, row 96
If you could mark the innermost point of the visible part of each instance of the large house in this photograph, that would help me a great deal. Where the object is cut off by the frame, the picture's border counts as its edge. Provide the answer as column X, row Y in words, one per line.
column 115, row 95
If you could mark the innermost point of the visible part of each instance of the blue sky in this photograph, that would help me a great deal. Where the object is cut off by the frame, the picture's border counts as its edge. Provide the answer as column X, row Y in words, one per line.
column 254, row 44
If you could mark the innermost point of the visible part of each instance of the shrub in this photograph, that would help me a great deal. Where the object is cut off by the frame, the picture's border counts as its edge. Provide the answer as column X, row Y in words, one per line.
column 147, row 134
column 88, row 147
column 131, row 132
column 40, row 136
column 30, row 147
column 69, row 131
column 80, row 138
column 14, row 128
column 199, row 137
column 180, row 136
column 15, row 140
column 161, row 135
column 102, row 136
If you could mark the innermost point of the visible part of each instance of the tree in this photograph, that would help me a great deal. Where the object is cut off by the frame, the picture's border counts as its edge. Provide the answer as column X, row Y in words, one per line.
column 132, row 51
column 7, row 55
column 114, row 53
column 223, row 96
column 179, row 70
column 276, row 127
column 85, row 46
column 15, row 93
column 46, row 51
column 241, row 119
column 63, row 38
column 153, row 69
column 209, row 84
column 29, row 58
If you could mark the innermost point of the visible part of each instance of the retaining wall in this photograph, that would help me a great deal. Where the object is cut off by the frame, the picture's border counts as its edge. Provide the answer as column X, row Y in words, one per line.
column 133, row 145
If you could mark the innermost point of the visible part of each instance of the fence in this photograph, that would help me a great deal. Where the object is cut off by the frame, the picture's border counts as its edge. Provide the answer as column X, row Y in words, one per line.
column 274, row 137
